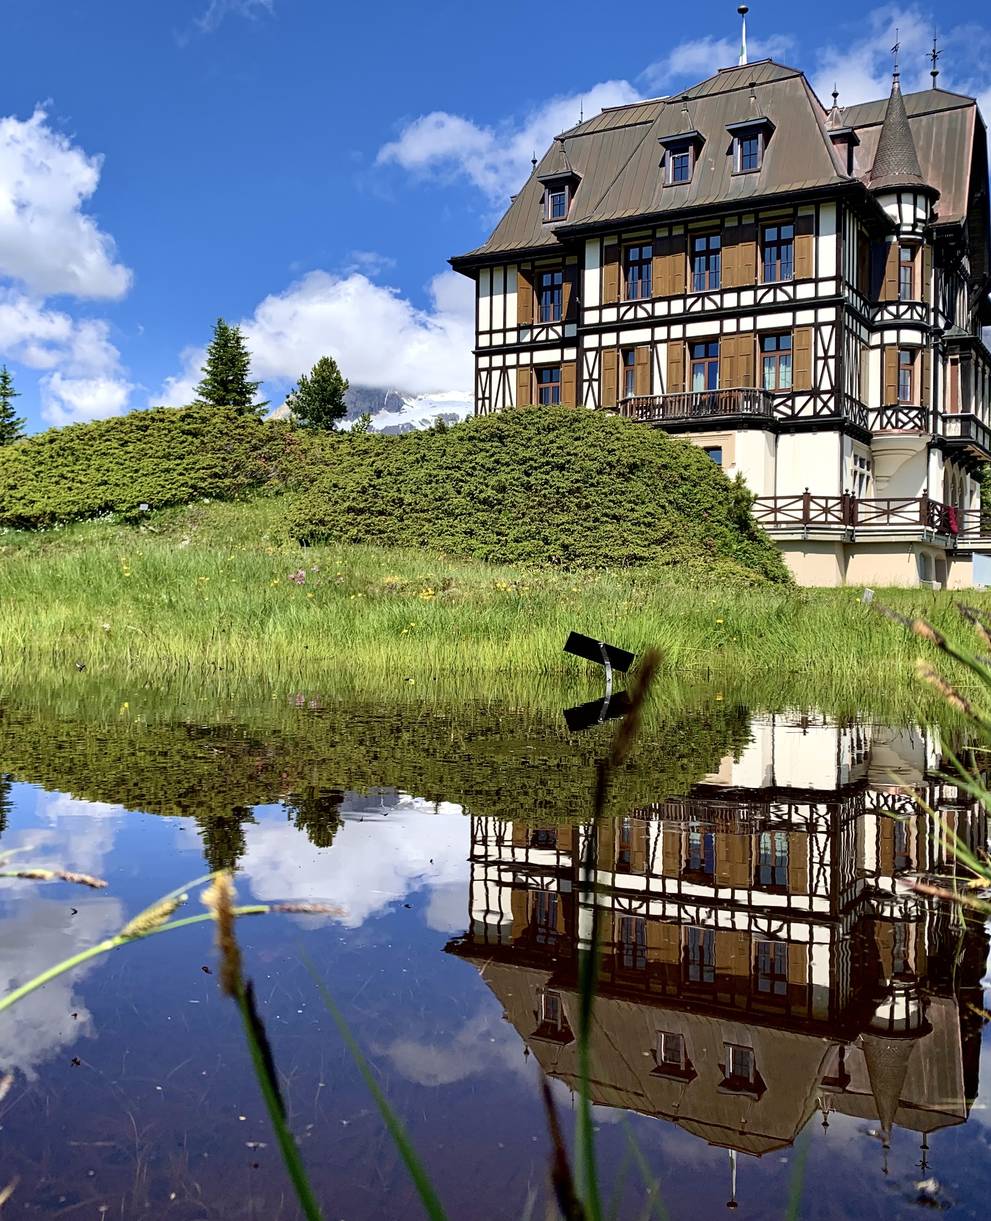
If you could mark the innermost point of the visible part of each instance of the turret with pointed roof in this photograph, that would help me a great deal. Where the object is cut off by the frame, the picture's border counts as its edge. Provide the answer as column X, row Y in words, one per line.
column 896, row 161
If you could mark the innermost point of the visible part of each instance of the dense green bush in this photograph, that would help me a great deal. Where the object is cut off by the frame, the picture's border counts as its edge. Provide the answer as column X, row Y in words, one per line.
column 167, row 456
column 540, row 485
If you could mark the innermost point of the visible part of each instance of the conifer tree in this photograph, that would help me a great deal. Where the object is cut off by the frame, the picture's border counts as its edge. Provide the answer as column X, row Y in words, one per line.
column 317, row 401
column 225, row 374
column 11, row 426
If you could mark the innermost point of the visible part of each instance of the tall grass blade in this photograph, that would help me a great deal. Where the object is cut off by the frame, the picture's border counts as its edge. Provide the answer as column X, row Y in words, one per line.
column 421, row 1180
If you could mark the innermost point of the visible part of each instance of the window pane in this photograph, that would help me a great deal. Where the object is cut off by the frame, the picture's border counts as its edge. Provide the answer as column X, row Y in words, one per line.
column 784, row 372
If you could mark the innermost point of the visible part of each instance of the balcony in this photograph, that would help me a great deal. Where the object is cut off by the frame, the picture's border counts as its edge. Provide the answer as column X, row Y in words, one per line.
column 698, row 405
column 847, row 514
column 967, row 432
column 899, row 417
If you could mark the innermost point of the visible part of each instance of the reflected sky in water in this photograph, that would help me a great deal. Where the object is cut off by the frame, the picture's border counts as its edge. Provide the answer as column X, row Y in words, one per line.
column 770, row 982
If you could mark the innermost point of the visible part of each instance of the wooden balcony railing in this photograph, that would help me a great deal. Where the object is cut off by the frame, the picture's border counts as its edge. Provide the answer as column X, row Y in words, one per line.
column 856, row 513
column 967, row 428
column 975, row 524
column 695, row 405
column 899, row 417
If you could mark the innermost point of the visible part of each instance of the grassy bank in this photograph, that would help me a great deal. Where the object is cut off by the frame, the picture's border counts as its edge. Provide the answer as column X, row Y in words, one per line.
column 213, row 588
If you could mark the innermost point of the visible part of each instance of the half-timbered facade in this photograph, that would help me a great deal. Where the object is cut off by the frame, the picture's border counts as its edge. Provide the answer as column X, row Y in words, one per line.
column 799, row 290
column 764, row 953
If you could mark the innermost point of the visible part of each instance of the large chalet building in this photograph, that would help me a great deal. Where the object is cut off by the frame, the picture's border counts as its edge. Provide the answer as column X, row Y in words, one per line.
column 798, row 289
column 766, row 956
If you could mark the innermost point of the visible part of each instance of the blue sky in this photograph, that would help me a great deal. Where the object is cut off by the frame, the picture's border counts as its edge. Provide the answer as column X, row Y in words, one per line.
column 306, row 168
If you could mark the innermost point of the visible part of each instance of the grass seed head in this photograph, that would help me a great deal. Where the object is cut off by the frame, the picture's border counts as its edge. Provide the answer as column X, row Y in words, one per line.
column 219, row 898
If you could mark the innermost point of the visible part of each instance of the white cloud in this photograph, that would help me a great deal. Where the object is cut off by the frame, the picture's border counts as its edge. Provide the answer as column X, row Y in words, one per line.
column 217, row 10
column 692, row 61
column 377, row 336
column 378, row 858
column 495, row 159
column 47, row 243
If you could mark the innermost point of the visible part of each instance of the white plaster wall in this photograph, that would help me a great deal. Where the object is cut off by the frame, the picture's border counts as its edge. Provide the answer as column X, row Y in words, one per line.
column 512, row 288
column 808, row 460
column 755, row 460
column 826, row 244
column 806, row 758
column 485, row 299
column 755, row 767
column 590, row 278
column 911, row 477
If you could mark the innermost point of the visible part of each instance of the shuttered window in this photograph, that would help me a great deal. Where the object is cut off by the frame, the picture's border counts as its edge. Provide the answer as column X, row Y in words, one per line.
column 775, row 362
column 706, row 262
column 705, row 366
column 549, row 385
column 778, row 253
column 638, row 265
column 551, row 296
column 906, row 273
column 906, row 375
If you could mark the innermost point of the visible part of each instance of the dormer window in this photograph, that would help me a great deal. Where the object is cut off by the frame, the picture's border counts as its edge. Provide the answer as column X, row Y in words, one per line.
column 558, row 201
column 749, row 141
column 748, row 153
column 680, row 154
column 680, row 164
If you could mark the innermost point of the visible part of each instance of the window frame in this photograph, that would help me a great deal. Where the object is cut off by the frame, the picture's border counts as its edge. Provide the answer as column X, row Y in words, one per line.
column 771, row 974
column 710, row 252
column 632, row 950
column 777, row 357
column 777, row 863
column 699, row 968
column 737, row 1056
column 644, row 263
column 907, row 265
column 550, row 385
column 778, row 244
column 738, row 142
column 627, row 372
column 709, row 362
column 552, row 192
column 556, row 288
column 906, row 368
column 709, row 450
column 687, row 149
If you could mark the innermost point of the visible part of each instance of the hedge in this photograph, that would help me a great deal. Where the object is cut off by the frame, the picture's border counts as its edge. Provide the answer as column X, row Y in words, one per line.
column 159, row 458
column 546, row 485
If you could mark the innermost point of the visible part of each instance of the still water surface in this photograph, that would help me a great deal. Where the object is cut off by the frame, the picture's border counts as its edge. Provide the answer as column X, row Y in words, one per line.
column 777, row 1004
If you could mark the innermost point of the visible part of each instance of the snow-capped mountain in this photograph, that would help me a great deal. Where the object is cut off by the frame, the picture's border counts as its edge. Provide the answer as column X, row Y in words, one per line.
column 395, row 411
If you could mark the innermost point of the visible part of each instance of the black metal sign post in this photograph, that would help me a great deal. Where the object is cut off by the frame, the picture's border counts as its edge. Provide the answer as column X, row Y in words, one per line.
column 584, row 716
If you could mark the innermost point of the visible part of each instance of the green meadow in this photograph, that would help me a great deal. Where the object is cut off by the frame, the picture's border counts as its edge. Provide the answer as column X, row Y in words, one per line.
column 218, row 589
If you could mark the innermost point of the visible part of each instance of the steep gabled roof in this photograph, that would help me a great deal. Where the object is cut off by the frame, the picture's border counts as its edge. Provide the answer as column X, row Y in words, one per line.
column 617, row 154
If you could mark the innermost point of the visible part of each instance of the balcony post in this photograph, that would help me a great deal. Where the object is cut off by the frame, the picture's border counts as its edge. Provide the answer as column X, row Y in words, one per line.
column 806, row 508
column 924, row 509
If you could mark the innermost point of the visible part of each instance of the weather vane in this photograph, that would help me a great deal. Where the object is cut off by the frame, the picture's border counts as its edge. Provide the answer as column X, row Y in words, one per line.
column 934, row 57
column 895, row 49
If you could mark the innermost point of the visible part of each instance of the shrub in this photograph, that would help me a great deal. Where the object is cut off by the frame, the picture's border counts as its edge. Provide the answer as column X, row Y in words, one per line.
column 163, row 457
column 547, row 485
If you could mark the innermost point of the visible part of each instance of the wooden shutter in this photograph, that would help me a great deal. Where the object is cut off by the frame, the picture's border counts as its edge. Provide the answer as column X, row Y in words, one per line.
column 889, row 281
column 890, row 358
column 732, row 859
column 638, row 848
column 569, row 293
column 524, row 387
column 805, row 264
column 610, row 275
column 924, row 373
column 926, row 271
column 677, row 262
column 801, row 373
column 664, row 941
column 524, row 296
column 610, row 377
column 569, row 384
column 739, row 256
column 519, row 908
column 671, row 850
column 659, row 269
column 863, row 264
column 745, row 359
column 798, row 862
column 732, row 953
column 676, row 366
column 798, row 964
column 727, row 361
column 641, row 372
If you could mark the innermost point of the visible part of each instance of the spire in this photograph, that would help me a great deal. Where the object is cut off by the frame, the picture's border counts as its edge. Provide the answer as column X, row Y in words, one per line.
column 896, row 162
column 743, row 10
column 934, row 59
column 834, row 117
column 887, row 1066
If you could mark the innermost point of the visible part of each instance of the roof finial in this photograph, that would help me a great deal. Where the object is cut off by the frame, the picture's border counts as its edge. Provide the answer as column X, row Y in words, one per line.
column 581, row 110
column 894, row 51
column 835, row 94
column 743, row 10
column 732, row 1201
column 533, row 159
column 934, row 57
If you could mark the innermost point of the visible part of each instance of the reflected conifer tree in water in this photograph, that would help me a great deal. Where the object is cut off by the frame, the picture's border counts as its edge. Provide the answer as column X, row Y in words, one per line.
column 317, row 812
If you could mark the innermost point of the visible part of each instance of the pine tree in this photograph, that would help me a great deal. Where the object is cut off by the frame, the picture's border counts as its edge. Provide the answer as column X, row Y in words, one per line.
column 318, row 399
column 225, row 374
column 11, row 426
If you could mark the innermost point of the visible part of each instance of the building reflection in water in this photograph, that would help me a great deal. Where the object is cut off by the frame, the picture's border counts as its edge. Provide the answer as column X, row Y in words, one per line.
column 765, row 957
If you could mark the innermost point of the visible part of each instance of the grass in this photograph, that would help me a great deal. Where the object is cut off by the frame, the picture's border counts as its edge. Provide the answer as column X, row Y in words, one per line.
column 214, row 589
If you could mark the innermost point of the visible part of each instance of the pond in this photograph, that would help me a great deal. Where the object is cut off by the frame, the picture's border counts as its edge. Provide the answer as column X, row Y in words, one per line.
column 779, row 1010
